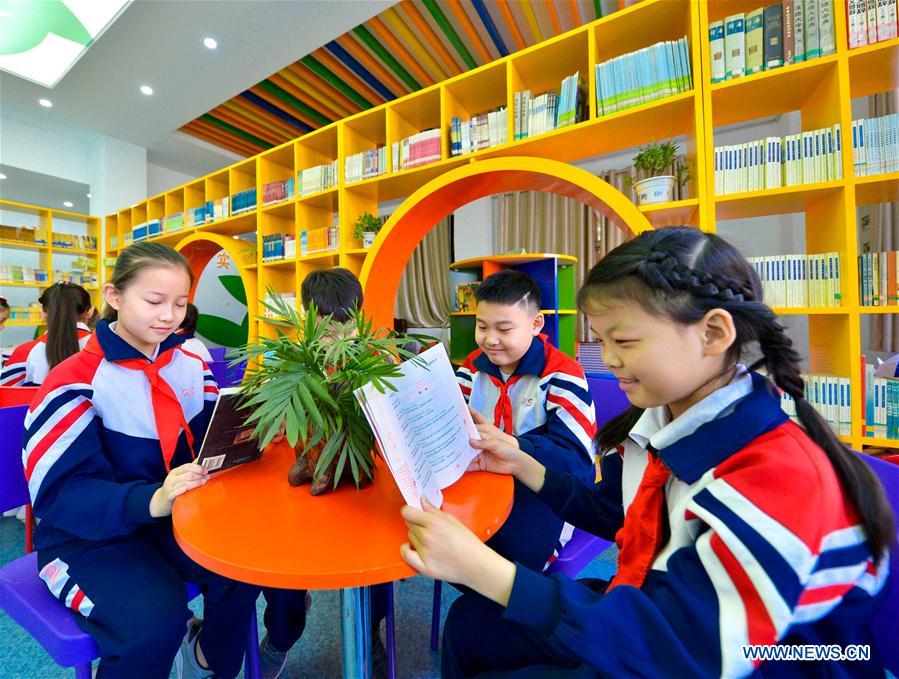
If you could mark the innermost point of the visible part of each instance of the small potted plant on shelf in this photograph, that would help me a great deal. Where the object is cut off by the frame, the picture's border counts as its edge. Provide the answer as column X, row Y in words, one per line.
column 304, row 379
column 366, row 227
column 652, row 162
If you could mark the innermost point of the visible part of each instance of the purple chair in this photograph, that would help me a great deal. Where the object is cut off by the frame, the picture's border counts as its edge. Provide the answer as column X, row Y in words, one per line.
column 227, row 375
column 25, row 597
column 883, row 625
column 580, row 550
column 218, row 353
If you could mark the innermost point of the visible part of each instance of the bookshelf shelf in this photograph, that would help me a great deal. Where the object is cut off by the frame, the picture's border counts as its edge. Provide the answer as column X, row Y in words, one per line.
column 878, row 309
column 74, row 251
column 873, row 441
column 290, row 262
column 23, row 324
column 878, row 188
column 20, row 245
column 788, row 88
column 357, row 251
column 784, row 200
column 13, row 284
column 676, row 212
column 285, row 208
column 326, row 199
column 874, row 68
column 811, row 311
column 315, row 256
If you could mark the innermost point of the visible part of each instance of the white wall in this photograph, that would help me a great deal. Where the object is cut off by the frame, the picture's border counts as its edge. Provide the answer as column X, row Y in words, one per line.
column 161, row 179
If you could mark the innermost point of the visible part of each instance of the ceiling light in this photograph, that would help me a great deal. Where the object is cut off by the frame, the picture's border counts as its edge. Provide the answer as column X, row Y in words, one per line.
column 146, row 89
column 210, row 43
column 46, row 103
column 88, row 195
column 2, row 176
column 68, row 203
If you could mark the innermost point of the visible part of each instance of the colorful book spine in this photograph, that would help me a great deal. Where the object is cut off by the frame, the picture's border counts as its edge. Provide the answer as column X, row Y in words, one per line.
column 734, row 45
column 774, row 53
column 756, row 34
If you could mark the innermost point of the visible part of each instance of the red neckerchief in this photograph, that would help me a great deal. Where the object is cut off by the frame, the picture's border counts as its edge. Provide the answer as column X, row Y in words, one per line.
column 502, row 412
column 640, row 537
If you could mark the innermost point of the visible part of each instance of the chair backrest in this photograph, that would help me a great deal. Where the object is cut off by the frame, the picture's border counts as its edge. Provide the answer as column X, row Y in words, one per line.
column 217, row 353
column 580, row 550
column 227, row 375
column 13, row 488
column 608, row 398
column 883, row 625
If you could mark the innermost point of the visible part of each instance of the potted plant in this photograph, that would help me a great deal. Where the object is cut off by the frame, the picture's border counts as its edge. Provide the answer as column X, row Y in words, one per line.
column 304, row 380
column 652, row 163
column 366, row 227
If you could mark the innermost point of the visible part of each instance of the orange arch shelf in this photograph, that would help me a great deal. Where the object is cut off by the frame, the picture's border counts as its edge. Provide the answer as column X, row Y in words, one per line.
column 438, row 198
column 198, row 248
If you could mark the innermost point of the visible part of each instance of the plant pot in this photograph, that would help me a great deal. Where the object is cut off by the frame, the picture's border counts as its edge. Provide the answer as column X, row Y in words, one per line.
column 303, row 470
column 368, row 239
column 655, row 190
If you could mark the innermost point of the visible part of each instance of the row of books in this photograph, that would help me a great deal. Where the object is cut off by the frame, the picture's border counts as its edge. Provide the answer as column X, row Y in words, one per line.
column 880, row 405
column 84, row 275
column 465, row 296
column 794, row 281
column 589, row 355
column 278, row 246
column 27, row 235
column 319, row 240
column 278, row 191
column 289, row 298
column 318, row 178
column 875, row 145
column 870, row 21
column 830, row 396
column 419, row 149
column 365, row 165
column 243, row 201
column 171, row 223
column 480, row 132
column 773, row 162
column 74, row 241
column 20, row 312
column 878, row 279
column 149, row 229
column 770, row 37
column 13, row 273
column 551, row 110
column 651, row 73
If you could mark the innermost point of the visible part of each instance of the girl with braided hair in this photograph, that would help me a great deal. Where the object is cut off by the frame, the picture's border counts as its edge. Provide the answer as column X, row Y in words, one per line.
column 737, row 527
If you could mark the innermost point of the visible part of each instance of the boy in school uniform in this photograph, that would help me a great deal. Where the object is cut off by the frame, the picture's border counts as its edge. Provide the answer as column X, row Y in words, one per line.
column 533, row 396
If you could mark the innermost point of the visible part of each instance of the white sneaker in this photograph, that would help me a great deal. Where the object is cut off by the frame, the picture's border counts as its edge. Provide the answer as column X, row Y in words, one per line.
column 186, row 663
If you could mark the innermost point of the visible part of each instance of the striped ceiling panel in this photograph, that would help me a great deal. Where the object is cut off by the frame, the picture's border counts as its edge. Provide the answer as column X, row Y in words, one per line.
column 409, row 46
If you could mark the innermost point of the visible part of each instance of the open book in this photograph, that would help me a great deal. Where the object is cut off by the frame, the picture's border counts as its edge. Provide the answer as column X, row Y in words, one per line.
column 423, row 427
column 228, row 440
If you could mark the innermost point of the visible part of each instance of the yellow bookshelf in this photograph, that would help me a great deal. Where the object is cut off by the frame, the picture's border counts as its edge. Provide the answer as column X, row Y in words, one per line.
column 51, row 225
column 820, row 90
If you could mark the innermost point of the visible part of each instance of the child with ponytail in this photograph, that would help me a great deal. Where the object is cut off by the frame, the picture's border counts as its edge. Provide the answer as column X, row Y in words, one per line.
column 736, row 526
column 66, row 309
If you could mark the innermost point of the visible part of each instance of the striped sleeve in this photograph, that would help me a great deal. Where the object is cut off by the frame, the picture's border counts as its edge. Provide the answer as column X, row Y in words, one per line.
column 465, row 379
column 13, row 371
column 757, row 570
column 70, row 480
column 210, row 386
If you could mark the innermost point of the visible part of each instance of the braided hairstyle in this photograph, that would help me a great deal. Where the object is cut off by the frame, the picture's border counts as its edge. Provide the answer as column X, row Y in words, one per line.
column 681, row 273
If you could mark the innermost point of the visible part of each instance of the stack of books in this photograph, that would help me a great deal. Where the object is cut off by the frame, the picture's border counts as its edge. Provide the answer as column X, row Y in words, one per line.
column 878, row 279
column 480, row 132
column 773, row 162
column 278, row 246
column 830, row 396
column 875, row 145
column 32, row 312
column 419, row 149
column 793, row 281
column 870, row 21
column 880, row 406
column 278, row 191
column 550, row 110
column 651, row 73
column 74, row 241
column 174, row 222
column 243, row 201
column 318, row 240
column 770, row 37
column 365, row 165
column 12, row 273
column 217, row 209
column 318, row 178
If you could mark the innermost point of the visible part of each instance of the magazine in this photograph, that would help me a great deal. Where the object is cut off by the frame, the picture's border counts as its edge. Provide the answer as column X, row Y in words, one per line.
column 229, row 439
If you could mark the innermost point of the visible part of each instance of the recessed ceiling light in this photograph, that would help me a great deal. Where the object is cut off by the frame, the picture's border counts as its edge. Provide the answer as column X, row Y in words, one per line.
column 46, row 103
column 2, row 176
column 68, row 203
column 146, row 89
column 210, row 43
column 88, row 195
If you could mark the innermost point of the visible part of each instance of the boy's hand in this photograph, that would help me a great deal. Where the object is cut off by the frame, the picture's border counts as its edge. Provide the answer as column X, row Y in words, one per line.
column 489, row 432
column 179, row 480
column 444, row 549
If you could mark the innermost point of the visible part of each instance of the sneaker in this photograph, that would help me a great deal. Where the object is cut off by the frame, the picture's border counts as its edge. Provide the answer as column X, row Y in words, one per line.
column 186, row 663
column 271, row 660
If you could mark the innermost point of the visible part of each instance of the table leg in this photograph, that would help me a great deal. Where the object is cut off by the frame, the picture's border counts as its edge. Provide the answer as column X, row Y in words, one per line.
column 355, row 628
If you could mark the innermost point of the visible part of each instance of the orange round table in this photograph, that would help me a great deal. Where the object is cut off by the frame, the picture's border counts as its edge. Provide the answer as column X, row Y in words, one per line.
column 248, row 524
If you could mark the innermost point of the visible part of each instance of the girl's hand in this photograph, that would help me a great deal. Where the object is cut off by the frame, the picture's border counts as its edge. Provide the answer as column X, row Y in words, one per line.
column 444, row 549
column 179, row 480
column 441, row 546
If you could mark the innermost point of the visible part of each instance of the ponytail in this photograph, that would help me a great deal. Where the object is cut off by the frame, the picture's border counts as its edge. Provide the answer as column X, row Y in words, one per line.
column 681, row 273
column 63, row 303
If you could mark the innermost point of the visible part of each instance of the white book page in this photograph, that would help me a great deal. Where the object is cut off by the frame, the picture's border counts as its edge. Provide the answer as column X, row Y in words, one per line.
column 423, row 427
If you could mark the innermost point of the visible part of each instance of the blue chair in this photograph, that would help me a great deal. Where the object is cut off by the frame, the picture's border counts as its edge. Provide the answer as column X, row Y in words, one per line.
column 25, row 597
